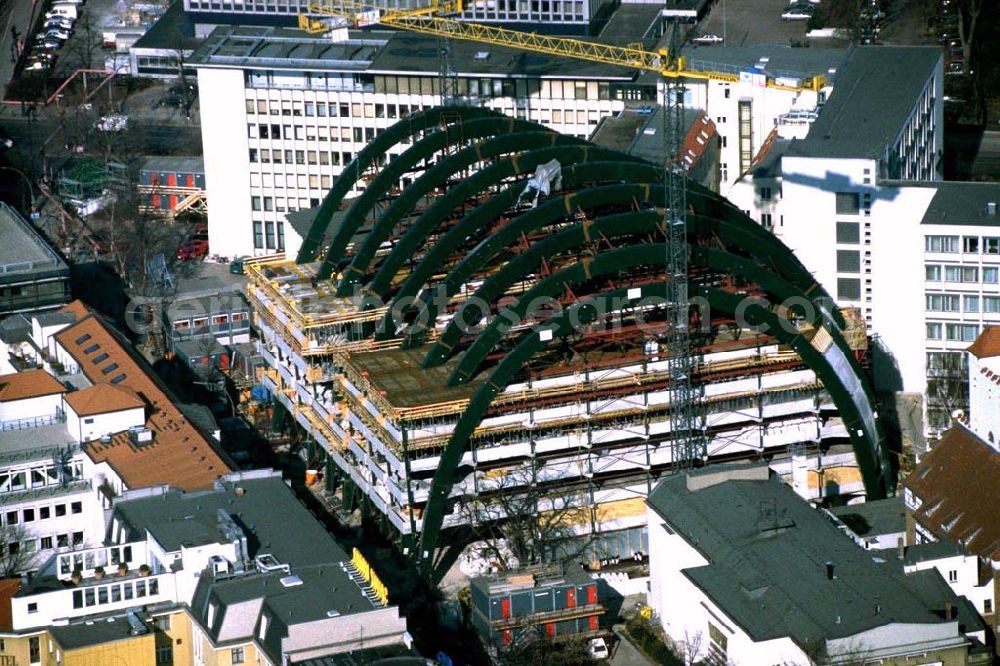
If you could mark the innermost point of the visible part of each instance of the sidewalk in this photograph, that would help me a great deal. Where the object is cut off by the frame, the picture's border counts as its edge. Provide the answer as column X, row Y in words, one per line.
column 19, row 16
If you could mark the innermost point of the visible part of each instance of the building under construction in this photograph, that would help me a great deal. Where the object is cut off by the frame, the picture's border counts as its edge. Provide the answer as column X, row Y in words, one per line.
column 496, row 327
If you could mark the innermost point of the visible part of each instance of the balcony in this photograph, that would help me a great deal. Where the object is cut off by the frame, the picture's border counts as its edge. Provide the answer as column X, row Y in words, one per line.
column 33, row 422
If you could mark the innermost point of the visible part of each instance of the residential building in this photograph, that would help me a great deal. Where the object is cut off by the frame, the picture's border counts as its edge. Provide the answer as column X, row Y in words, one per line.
column 33, row 277
column 508, row 607
column 743, row 571
column 162, row 52
column 948, row 498
column 277, row 131
column 212, row 576
column 81, row 420
column 876, row 525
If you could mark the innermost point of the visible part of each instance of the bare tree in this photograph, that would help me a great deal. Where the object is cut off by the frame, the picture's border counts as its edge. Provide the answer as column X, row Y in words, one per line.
column 15, row 558
column 519, row 522
column 968, row 15
column 88, row 41
column 533, row 647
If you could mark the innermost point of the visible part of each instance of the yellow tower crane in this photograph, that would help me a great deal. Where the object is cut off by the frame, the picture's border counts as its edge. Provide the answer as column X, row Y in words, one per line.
column 434, row 19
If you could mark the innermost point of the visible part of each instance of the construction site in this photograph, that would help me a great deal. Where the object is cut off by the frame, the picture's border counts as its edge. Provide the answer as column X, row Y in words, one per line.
column 498, row 327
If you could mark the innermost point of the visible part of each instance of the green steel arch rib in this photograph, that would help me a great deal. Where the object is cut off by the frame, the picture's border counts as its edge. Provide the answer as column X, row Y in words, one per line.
column 433, row 177
column 708, row 212
column 847, row 389
column 612, row 226
column 586, row 164
column 605, row 263
column 387, row 177
column 481, row 400
column 500, row 170
column 394, row 134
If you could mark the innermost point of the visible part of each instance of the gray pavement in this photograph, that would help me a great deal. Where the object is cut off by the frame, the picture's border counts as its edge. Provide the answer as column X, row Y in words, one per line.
column 16, row 14
column 626, row 654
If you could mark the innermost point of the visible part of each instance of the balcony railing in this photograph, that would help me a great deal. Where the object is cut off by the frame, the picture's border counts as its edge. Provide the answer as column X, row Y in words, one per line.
column 33, row 422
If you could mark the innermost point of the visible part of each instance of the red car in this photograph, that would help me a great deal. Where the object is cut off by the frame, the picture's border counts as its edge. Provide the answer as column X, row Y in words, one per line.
column 193, row 249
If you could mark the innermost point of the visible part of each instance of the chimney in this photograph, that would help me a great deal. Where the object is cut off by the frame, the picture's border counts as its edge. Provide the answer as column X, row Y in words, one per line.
column 900, row 548
column 991, row 208
column 829, row 571
column 949, row 611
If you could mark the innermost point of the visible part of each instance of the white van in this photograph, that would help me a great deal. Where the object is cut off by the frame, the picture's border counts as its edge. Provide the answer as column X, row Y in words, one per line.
column 69, row 11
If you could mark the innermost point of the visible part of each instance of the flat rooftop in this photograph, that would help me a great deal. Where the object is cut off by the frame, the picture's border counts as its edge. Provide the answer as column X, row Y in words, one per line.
column 176, row 163
column 875, row 92
column 381, row 52
column 24, row 251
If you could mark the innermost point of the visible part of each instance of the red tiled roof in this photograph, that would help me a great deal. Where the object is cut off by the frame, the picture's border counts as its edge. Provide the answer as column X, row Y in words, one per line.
column 33, row 383
column 697, row 139
column 103, row 399
column 179, row 454
column 987, row 344
column 956, row 484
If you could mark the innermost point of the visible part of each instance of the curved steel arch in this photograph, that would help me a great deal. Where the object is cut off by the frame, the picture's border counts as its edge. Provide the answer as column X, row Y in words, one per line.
column 430, row 179
column 479, row 403
column 424, row 148
column 612, row 226
column 707, row 211
column 580, row 171
column 495, row 173
column 412, row 124
column 860, row 420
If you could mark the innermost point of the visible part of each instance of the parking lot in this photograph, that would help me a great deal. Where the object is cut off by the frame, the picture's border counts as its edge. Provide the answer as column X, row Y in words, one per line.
column 752, row 22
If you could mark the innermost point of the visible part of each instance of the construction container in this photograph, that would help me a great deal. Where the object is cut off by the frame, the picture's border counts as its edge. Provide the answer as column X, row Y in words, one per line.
column 166, row 181
column 508, row 607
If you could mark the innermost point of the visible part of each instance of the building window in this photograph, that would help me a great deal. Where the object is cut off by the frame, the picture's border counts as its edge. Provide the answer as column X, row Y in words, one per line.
column 941, row 244
column 29, row 515
column 961, row 333
column 932, row 273
column 942, row 302
column 76, row 507
column 46, row 542
column 237, row 655
column 953, row 576
column 970, row 244
column 991, row 275
column 254, row 203
column 34, row 650
column 33, row 607
column 848, row 289
column 765, row 220
column 933, row 331
column 765, row 194
column 848, row 232
column 987, row 606
column 848, row 261
column 258, row 234
column 164, row 655
column 961, row 274
column 991, row 245
column 970, row 303
column 991, row 304
column 43, row 513
column 848, row 203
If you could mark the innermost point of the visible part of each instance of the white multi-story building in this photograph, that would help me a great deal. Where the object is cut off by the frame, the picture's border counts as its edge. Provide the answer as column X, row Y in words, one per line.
column 283, row 112
column 861, row 202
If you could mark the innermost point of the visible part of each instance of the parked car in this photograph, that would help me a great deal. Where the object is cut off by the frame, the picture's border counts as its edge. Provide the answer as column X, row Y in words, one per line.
column 59, row 22
column 598, row 648
column 800, row 11
column 58, row 33
column 192, row 249
column 36, row 66
column 113, row 123
column 69, row 11
column 47, row 42
column 236, row 266
column 707, row 39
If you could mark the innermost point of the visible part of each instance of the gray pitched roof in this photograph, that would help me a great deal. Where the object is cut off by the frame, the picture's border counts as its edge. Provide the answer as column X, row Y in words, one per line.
column 874, row 93
column 963, row 203
column 768, row 552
